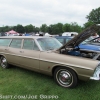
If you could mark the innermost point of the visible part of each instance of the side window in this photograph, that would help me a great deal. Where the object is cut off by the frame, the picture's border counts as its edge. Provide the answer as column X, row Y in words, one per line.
column 67, row 40
column 4, row 42
column 16, row 43
column 61, row 40
column 30, row 44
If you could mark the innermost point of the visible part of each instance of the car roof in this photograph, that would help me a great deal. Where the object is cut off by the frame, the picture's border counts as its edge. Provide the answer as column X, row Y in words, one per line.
column 31, row 37
column 63, row 37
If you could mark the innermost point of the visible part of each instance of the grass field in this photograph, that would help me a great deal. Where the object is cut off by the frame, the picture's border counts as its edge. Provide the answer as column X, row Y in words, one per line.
column 17, row 83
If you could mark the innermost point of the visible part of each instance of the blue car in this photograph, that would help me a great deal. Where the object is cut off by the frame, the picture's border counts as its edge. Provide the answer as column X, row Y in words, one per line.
column 82, row 48
column 89, row 47
column 85, row 45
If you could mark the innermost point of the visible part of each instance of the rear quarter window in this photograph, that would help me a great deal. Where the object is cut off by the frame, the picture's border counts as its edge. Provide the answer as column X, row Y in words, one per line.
column 5, row 42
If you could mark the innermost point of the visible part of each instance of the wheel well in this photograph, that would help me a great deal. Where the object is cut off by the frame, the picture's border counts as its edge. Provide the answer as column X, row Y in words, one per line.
column 0, row 55
column 53, row 70
column 3, row 56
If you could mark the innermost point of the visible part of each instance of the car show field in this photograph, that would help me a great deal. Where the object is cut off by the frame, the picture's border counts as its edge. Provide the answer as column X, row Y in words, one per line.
column 19, row 82
column 67, row 64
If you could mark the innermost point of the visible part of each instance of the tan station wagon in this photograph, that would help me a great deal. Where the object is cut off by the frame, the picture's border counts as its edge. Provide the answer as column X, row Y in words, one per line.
column 47, row 55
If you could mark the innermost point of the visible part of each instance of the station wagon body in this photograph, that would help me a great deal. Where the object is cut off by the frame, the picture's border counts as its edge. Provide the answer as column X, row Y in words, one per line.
column 47, row 55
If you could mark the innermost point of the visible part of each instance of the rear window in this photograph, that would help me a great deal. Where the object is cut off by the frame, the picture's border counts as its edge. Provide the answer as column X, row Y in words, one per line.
column 4, row 42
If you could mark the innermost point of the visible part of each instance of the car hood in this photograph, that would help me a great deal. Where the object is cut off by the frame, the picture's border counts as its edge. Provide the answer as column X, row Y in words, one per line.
column 81, row 37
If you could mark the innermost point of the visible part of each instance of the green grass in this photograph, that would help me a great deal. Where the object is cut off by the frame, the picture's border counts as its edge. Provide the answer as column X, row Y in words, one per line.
column 21, row 82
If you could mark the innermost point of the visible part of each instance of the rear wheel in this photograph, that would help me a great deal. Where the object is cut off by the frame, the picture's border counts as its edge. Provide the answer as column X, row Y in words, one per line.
column 3, row 62
column 65, row 77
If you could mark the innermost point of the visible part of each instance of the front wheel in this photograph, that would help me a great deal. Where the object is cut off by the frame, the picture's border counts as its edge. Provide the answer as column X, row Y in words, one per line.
column 3, row 62
column 65, row 77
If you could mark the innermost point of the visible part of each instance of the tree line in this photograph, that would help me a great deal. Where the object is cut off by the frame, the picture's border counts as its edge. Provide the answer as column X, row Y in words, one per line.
column 59, row 28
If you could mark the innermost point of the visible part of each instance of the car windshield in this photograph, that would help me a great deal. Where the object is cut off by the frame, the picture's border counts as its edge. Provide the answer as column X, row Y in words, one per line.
column 91, row 40
column 49, row 43
column 87, row 40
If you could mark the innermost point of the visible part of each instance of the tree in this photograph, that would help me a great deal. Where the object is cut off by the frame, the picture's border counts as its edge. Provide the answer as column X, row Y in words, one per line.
column 59, row 28
column 14, row 28
column 87, row 24
column 44, row 28
column 94, row 16
column 20, row 28
column 37, row 29
column 6, row 28
column 66, row 27
column 29, row 28
column 54, row 29
column 74, row 27
column 51, row 29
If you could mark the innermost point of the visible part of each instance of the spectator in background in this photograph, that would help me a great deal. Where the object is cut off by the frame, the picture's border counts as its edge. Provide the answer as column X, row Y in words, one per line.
column 73, row 35
column 20, row 34
column 40, row 34
column 95, row 36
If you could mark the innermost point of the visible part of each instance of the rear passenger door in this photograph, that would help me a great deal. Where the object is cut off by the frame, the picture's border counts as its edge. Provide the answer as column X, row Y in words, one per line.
column 30, row 54
column 14, row 51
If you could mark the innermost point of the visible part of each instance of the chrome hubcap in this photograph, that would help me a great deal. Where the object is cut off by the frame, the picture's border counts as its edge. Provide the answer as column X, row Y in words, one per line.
column 65, row 78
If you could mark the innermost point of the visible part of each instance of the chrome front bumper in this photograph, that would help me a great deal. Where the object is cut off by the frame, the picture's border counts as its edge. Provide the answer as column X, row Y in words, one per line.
column 96, row 75
column 94, row 78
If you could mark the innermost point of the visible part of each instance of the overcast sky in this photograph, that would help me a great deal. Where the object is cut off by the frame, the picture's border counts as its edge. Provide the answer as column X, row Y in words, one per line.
column 38, row 12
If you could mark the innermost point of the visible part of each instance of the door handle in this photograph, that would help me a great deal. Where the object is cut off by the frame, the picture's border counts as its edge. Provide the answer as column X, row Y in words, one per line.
column 6, row 49
column 21, row 51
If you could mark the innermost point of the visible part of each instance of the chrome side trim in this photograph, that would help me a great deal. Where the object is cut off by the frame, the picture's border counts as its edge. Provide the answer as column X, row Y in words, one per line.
column 51, row 61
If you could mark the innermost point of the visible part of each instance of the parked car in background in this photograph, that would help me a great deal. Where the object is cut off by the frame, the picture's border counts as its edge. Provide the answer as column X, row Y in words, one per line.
column 89, row 44
column 2, row 34
column 63, row 39
column 47, row 55
column 69, row 33
column 95, row 41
